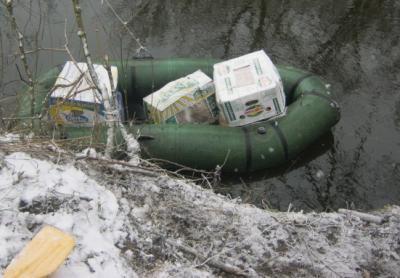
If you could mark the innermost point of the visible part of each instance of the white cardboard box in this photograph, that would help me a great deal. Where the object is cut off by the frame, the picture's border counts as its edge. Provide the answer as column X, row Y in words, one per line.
column 248, row 89
column 190, row 99
column 75, row 101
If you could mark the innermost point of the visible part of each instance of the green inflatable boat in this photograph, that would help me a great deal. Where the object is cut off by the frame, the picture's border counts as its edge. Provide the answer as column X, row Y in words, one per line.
column 311, row 113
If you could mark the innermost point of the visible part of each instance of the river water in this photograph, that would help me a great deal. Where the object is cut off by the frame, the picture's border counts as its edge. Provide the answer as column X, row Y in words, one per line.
column 353, row 44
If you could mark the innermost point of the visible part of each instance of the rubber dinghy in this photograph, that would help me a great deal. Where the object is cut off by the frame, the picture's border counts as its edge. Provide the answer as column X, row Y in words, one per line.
column 311, row 112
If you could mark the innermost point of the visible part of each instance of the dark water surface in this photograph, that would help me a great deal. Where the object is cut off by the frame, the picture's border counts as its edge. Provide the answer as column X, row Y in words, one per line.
column 354, row 45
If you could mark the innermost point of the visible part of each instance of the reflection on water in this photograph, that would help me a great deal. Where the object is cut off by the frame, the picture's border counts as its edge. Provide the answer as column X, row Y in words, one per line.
column 354, row 44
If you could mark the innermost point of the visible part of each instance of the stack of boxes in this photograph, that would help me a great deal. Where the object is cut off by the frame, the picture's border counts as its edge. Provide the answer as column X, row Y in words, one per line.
column 246, row 89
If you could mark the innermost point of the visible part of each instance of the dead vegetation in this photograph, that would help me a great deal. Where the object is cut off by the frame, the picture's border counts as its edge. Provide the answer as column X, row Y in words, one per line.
column 180, row 229
column 263, row 243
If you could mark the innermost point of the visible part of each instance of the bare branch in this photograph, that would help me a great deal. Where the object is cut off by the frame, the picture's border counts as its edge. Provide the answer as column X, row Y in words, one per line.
column 132, row 168
column 45, row 49
column 130, row 32
column 212, row 261
column 363, row 216
column 100, row 87
column 111, row 101
column 21, row 47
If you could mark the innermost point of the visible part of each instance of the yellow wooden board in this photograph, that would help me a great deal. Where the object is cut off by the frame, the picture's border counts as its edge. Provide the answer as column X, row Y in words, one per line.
column 42, row 255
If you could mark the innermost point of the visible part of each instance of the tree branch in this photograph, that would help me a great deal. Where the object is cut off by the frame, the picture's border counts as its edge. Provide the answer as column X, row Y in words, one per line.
column 363, row 216
column 99, row 85
column 21, row 47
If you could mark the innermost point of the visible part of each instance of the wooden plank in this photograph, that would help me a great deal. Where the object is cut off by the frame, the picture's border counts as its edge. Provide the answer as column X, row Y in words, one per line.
column 42, row 255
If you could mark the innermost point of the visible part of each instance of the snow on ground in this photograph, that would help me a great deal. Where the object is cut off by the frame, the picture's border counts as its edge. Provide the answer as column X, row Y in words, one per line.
column 9, row 138
column 36, row 192
column 123, row 224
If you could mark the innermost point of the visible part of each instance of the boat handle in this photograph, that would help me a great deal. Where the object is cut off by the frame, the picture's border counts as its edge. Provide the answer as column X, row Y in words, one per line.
column 145, row 137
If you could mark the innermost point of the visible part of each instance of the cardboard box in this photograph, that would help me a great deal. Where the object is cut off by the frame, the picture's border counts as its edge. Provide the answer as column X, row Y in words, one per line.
column 190, row 99
column 75, row 101
column 248, row 89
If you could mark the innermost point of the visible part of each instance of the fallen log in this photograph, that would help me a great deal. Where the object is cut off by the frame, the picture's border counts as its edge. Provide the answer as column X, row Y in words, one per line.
column 363, row 216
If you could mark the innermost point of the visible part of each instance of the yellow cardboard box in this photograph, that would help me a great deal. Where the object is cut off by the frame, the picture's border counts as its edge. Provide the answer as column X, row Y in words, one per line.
column 190, row 99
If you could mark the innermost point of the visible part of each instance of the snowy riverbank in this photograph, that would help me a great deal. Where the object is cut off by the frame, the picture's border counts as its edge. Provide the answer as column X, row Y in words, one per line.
column 129, row 225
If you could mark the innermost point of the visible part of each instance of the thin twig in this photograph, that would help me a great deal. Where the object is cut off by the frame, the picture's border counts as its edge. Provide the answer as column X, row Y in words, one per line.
column 130, row 32
column 45, row 49
column 212, row 261
column 134, row 168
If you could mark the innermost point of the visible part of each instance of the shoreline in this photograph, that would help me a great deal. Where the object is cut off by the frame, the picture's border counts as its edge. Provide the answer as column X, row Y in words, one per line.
column 152, row 226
